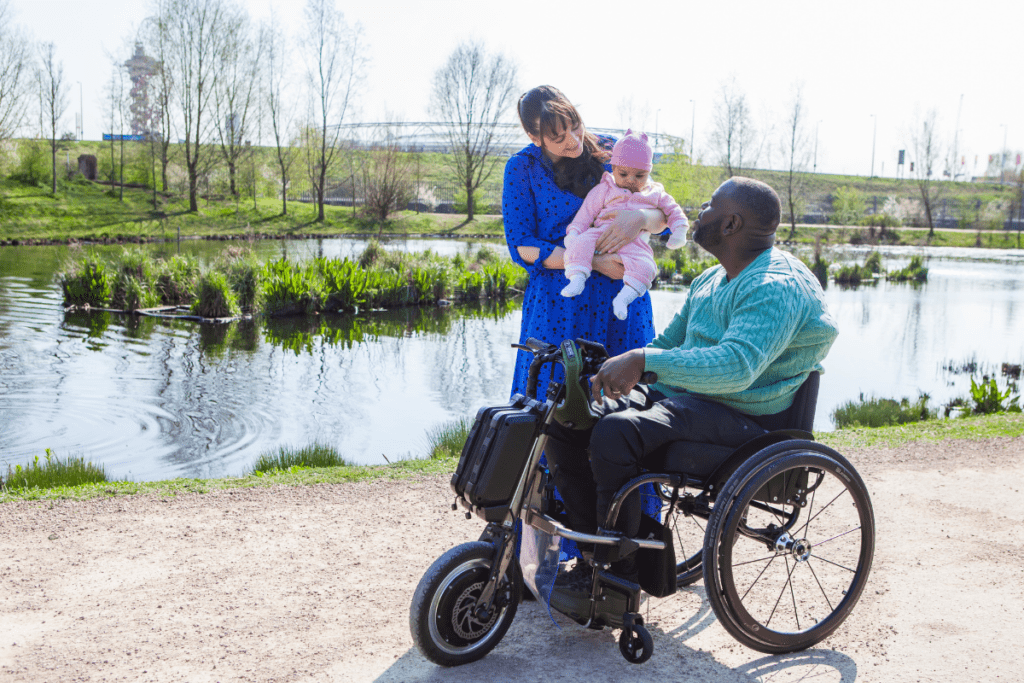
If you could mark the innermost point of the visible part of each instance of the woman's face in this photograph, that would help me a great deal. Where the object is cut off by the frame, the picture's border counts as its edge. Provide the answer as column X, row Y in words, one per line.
column 567, row 142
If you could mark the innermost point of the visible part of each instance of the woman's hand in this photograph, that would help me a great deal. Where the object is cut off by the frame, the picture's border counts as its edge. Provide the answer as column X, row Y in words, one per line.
column 626, row 226
column 610, row 265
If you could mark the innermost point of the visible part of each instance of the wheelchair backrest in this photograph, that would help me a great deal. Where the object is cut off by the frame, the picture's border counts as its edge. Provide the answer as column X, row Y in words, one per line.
column 801, row 414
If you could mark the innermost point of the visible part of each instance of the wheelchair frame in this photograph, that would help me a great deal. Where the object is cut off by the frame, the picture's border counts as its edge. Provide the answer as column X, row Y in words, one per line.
column 467, row 599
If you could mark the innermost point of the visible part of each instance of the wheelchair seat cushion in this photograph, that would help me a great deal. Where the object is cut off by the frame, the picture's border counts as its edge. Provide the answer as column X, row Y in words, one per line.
column 695, row 460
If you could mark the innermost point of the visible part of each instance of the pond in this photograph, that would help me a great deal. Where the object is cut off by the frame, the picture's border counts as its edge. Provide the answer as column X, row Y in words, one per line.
column 153, row 398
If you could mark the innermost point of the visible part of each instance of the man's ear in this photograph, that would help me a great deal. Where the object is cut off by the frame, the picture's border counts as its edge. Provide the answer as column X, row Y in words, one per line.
column 733, row 225
column 534, row 139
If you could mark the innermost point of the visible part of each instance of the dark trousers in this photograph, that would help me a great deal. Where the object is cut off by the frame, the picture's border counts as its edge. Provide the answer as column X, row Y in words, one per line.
column 588, row 467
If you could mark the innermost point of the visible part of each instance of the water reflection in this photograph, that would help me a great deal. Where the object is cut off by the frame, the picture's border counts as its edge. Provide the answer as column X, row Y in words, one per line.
column 153, row 398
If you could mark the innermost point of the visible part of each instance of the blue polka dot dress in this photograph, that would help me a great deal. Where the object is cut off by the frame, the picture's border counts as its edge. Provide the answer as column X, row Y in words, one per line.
column 536, row 213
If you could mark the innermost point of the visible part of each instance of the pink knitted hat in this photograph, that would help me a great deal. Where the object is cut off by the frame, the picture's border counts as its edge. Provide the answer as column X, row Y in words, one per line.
column 633, row 151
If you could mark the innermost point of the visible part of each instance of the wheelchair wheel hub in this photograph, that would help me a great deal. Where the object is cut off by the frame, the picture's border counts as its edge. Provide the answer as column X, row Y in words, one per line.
column 800, row 549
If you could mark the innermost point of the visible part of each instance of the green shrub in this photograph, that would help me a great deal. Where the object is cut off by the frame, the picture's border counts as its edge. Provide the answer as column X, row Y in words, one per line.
column 86, row 282
column 288, row 459
column 52, row 472
column 214, row 297
column 847, row 206
column 882, row 412
column 666, row 268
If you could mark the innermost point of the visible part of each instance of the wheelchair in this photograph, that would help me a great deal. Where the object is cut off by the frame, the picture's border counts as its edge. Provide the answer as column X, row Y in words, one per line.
column 780, row 529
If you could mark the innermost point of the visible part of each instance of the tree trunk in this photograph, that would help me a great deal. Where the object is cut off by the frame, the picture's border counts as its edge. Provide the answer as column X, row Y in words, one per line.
column 469, row 201
column 53, row 155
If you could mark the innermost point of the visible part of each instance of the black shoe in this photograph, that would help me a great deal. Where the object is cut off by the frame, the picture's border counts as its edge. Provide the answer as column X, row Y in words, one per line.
column 577, row 579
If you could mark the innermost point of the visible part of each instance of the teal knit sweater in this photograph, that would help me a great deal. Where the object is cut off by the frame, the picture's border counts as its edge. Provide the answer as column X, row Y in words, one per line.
column 750, row 342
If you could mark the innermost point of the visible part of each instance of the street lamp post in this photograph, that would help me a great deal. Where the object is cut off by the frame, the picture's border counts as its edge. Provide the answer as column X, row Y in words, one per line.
column 693, row 124
column 1003, row 154
column 81, row 113
column 874, row 137
column 816, row 146
column 656, row 115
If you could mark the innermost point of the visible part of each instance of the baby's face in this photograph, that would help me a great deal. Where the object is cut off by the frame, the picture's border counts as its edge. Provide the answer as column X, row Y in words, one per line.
column 632, row 179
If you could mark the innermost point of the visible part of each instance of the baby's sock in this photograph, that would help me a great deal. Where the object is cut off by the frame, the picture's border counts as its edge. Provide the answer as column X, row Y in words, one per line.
column 575, row 287
column 624, row 298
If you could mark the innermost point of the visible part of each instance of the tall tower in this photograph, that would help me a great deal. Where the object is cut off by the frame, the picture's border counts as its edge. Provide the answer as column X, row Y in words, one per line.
column 140, row 68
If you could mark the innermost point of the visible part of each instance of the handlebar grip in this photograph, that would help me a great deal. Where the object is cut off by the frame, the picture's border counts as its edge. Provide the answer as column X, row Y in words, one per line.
column 649, row 377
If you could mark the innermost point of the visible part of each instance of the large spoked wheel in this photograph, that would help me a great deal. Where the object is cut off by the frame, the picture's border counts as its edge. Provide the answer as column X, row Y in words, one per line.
column 688, row 522
column 789, row 549
column 446, row 621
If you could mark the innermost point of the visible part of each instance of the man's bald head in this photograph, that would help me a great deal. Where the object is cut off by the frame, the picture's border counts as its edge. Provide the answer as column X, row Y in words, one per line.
column 762, row 206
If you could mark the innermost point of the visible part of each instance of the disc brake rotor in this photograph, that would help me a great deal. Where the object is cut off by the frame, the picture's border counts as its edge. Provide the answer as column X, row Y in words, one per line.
column 464, row 619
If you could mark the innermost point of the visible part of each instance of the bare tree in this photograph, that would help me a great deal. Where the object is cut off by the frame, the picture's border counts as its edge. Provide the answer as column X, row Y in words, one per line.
column 386, row 176
column 282, row 115
column 473, row 92
column 926, row 154
column 796, row 149
column 53, row 98
column 15, row 72
column 197, row 32
column 632, row 115
column 235, row 93
column 117, row 110
column 733, row 134
column 335, row 68
column 156, row 36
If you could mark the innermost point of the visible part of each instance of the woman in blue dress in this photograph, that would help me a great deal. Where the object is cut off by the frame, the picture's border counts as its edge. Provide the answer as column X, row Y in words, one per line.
column 544, row 187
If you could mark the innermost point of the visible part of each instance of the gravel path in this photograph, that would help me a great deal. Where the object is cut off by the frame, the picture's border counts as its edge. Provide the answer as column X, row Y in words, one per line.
column 314, row 584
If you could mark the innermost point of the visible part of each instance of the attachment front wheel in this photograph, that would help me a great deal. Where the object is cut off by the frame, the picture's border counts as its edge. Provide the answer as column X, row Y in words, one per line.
column 448, row 624
column 636, row 644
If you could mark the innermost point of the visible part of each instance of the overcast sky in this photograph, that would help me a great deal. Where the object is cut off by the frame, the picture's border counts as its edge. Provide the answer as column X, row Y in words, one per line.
column 865, row 64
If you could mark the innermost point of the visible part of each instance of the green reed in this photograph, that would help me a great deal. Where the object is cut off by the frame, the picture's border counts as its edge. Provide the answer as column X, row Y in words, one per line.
column 51, row 472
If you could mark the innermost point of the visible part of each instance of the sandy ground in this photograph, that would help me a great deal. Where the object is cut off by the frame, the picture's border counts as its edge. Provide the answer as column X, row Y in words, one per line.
column 314, row 584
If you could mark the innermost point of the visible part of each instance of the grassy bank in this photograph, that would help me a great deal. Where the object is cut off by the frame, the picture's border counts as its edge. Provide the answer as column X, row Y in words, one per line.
column 445, row 459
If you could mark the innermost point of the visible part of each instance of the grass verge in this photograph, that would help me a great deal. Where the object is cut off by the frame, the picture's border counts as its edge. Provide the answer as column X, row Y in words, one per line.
column 933, row 431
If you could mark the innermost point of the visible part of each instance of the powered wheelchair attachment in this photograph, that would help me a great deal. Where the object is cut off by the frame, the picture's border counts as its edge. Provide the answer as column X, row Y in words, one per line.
column 781, row 530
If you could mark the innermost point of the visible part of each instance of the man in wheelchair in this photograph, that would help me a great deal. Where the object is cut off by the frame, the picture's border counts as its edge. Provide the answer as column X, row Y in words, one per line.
column 729, row 365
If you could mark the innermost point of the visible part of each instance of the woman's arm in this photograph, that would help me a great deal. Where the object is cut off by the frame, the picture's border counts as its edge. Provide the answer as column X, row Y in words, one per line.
column 607, row 264
column 626, row 225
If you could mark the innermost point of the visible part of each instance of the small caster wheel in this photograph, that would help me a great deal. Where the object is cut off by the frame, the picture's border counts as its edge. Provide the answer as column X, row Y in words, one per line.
column 636, row 644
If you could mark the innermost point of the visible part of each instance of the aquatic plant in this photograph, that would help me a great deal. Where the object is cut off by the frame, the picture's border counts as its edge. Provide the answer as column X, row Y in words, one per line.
column 214, row 297
column 85, row 283
column 176, row 279
column 912, row 272
column 987, row 398
column 882, row 412
column 290, row 459
column 243, row 273
column 289, row 289
column 51, row 472
column 446, row 440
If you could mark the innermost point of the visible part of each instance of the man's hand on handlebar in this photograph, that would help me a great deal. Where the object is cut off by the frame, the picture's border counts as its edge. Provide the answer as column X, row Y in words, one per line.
column 618, row 375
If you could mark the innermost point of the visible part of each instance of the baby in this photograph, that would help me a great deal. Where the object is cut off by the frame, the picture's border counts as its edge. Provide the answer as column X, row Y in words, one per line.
column 628, row 186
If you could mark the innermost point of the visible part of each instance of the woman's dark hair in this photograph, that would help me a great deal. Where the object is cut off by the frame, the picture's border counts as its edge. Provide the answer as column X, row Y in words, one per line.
column 546, row 111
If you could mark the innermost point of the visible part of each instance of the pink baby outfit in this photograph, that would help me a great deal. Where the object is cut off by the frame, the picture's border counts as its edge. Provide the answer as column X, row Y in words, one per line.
column 637, row 256
column 632, row 151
